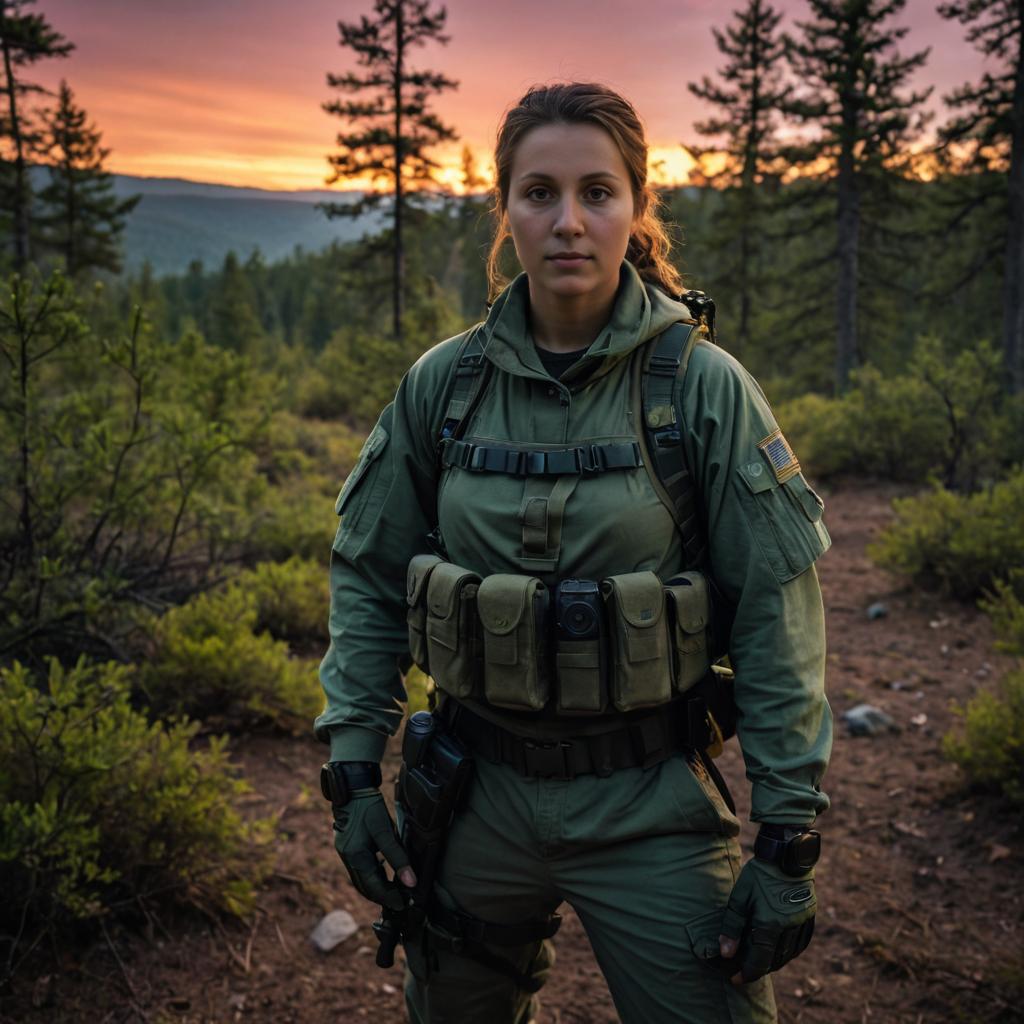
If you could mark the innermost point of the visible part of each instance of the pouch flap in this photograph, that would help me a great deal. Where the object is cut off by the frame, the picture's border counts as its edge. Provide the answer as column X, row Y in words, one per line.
column 757, row 476
column 445, row 583
column 503, row 599
column 689, row 594
column 372, row 447
column 419, row 572
column 640, row 598
column 806, row 498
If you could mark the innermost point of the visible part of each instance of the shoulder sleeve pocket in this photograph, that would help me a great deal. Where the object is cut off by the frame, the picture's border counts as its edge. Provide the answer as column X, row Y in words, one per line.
column 786, row 519
column 362, row 486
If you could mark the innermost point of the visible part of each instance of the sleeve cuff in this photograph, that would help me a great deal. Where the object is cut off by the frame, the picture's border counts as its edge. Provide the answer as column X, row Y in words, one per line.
column 352, row 743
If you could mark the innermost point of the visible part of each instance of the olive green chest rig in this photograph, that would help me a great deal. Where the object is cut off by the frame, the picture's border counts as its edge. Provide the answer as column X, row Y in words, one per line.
column 511, row 641
column 658, row 448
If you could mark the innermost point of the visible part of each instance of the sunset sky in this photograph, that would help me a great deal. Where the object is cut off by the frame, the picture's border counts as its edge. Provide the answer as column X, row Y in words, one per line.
column 229, row 91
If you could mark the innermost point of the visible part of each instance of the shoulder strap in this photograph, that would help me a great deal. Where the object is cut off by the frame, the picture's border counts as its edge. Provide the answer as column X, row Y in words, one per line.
column 664, row 370
column 471, row 373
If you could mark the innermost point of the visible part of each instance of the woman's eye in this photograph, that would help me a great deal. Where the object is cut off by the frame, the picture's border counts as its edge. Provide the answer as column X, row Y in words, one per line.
column 598, row 193
column 532, row 194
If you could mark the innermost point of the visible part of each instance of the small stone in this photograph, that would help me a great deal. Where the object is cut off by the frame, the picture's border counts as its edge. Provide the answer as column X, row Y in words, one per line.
column 867, row 720
column 333, row 929
column 919, row 720
column 388, row 989
column 878, row 610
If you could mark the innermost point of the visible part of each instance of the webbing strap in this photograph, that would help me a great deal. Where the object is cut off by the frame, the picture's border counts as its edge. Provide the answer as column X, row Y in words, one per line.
column 581, row 459
column 470, row 374
column 472, row 929
column 665, row 369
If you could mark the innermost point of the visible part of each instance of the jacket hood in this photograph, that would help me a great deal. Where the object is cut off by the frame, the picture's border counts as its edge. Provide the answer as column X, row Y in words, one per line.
column 641, row 311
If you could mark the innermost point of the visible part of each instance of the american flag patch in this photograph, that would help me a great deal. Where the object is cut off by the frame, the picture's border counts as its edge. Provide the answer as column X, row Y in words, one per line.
column 780, row 456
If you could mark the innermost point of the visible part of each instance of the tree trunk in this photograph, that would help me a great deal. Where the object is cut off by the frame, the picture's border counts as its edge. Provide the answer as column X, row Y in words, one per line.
column 1013, row 280
column 20, row 210
column 398, row 275
column 848, row 218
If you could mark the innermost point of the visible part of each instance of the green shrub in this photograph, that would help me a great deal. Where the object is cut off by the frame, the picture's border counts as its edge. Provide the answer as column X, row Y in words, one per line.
column 945, row 417
column 292, row 599
column 296, row 518
column 991, row 749
column 960, row 543
column 101, row 810
column 207, row 662
column 1006, row 608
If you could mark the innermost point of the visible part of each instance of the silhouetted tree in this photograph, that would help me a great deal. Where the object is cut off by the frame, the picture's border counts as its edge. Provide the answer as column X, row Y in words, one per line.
column 990, row 123
column 748, row 94
column 80, row 218
column 850, row 80
column 391, row 131
column 25, row 38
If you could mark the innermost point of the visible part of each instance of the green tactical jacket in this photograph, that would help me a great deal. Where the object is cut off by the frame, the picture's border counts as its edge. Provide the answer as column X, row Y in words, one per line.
column 763, row 535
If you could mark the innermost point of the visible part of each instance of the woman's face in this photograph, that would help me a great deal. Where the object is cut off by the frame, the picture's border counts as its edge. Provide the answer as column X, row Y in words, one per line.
column 569, row 192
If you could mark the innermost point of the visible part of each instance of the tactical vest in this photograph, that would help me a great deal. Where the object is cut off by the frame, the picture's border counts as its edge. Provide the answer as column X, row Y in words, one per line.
column 488, row 629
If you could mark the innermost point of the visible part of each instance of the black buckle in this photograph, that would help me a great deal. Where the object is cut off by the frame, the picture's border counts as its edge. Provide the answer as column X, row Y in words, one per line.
column 546, row 759
column 534, row 463
column 563, row 462
column 590, row 458
column 664, row 366
column 667, row 437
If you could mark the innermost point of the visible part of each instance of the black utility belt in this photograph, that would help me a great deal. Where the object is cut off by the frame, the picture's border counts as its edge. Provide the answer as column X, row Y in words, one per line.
column 646, row 739
column 622, row 643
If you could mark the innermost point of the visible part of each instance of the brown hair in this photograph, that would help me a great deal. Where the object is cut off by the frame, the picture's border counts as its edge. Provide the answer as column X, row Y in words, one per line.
column 586, row 103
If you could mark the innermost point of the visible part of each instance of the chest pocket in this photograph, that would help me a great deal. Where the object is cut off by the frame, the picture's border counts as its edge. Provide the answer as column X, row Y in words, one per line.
column 365, row 486
column 784, row 518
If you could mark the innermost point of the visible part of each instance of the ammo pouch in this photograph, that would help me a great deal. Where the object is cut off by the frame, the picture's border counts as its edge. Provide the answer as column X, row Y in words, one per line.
column 513, row 617
column 450, row 625
column 689, row 606
column 510, row 641
column 418, row 574
column 640, row 671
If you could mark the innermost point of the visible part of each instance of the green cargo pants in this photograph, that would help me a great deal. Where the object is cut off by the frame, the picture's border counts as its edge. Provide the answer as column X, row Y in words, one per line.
column 646, row 858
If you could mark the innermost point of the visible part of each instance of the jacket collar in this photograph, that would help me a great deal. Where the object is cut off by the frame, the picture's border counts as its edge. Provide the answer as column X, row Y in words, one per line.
column 641, row 311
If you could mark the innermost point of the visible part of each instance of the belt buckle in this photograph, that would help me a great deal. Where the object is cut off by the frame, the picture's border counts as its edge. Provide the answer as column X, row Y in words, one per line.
column 546, row 759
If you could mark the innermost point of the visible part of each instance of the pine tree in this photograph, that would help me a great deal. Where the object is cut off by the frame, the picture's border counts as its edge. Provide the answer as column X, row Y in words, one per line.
column 990, row 124
column 80, row 218
column 25, row 38
column 749, row 95
column 395, row 127
column 851, row 82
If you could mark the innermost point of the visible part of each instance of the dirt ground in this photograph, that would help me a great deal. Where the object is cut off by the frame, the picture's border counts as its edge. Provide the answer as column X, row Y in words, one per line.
column 920, row 901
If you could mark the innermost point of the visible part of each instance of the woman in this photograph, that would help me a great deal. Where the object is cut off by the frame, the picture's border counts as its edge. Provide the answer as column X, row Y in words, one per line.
column 564, row 610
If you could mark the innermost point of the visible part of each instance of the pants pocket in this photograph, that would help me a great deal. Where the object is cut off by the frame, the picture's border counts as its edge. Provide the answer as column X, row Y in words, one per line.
column 689, row 608
column 452, row 646
column 512, row 613
column 417, row 576
column 641, row 668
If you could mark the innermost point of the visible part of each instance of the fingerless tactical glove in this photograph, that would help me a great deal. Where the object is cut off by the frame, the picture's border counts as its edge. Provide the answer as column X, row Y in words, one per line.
column 772, row 916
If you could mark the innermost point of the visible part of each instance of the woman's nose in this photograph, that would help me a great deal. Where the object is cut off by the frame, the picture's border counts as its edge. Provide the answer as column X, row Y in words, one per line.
column 569, row 220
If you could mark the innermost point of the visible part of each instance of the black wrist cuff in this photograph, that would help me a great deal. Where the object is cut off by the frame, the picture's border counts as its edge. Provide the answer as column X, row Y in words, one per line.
column 339, row 779
column 794, row 849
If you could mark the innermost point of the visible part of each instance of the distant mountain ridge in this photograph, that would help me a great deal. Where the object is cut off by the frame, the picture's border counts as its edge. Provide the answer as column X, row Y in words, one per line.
column 178, row 221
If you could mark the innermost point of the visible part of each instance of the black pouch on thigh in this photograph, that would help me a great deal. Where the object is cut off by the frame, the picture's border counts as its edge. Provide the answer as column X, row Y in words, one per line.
column 689, row 612
column 641, row 674
column 417, row 577
column 452, row 646
column 512, row 612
